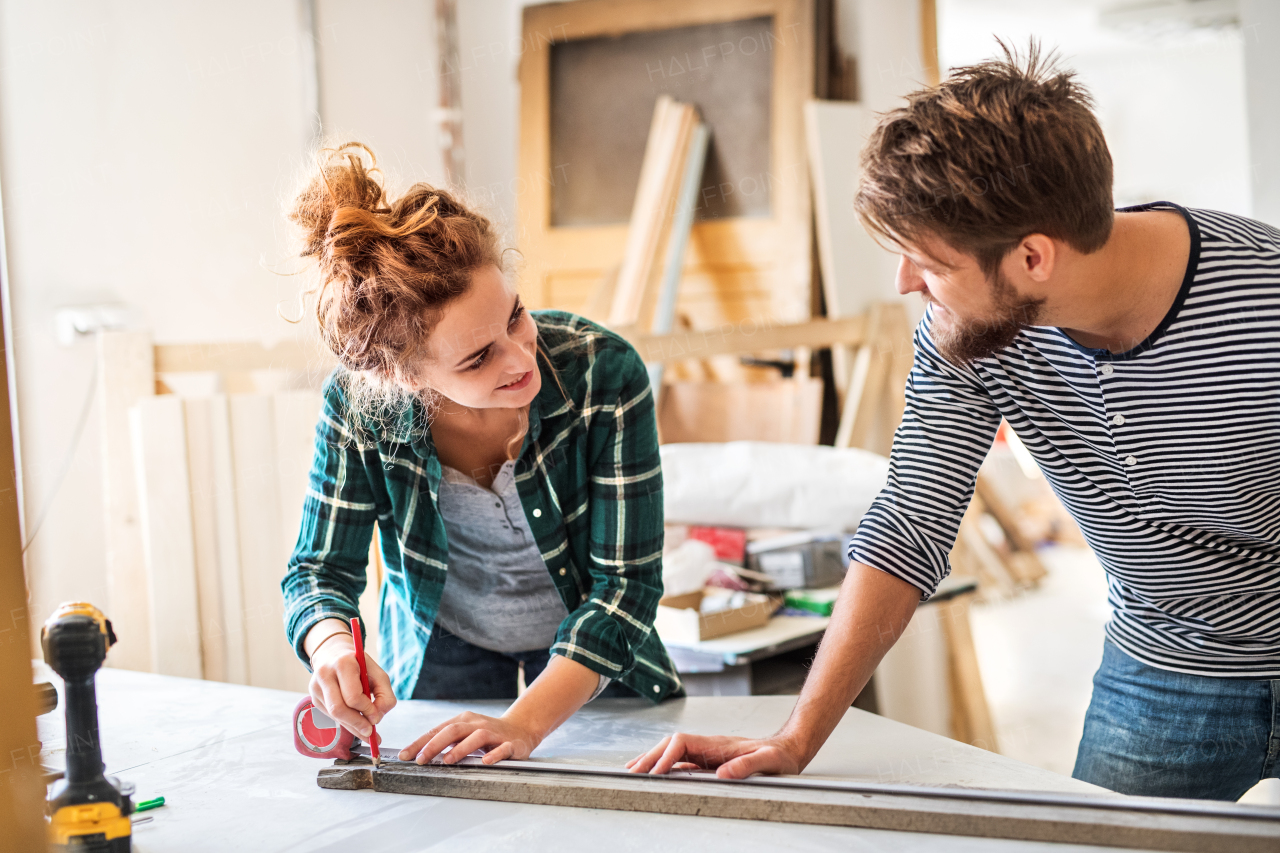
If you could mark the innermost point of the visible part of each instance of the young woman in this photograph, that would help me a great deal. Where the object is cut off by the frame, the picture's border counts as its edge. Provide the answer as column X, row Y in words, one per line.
column 510, row 462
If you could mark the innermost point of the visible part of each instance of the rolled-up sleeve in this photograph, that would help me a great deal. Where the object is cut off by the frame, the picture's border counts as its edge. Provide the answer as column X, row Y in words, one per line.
column 948, row 424
column 326, row 573
column 626, row 534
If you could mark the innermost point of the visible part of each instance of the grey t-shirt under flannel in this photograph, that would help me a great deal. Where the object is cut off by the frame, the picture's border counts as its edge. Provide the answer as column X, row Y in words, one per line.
column 498, row 594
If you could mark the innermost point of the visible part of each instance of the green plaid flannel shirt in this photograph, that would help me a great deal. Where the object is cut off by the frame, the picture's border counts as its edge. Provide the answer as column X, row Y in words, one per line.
column 589, row 477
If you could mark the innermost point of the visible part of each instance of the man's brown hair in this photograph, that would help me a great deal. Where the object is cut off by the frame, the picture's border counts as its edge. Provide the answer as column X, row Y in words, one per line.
column 997, row 151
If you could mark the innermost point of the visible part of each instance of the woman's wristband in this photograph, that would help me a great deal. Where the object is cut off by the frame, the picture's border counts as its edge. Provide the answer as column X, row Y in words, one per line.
column 317, row 646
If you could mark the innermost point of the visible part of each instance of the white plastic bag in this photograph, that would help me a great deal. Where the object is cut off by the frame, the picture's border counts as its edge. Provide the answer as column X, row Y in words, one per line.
column 767, row 484
column 686, row 568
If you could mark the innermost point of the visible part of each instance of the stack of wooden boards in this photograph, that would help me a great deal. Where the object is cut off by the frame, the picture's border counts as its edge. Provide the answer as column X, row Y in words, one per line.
column 656, row 219
column 739, row 266
column 640, row 298
column 204, row 500
column 221, row 481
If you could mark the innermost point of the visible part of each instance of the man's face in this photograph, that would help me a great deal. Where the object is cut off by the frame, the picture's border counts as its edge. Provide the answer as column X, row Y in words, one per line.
column 973, row 316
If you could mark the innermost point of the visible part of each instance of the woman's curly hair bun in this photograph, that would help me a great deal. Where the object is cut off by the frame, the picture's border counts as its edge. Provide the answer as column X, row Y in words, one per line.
column 387, row 267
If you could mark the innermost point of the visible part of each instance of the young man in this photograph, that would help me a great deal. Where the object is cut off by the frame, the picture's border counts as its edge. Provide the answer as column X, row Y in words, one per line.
column 1137, row 355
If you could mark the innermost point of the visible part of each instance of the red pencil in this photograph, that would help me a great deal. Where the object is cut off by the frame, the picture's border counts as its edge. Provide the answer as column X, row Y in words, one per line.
column 357, row 634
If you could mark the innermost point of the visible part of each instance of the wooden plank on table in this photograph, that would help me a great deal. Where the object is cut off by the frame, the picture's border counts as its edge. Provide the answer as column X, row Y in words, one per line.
column 164, row 503
column 272, row 662
column 126, row 374
column 1105, row 821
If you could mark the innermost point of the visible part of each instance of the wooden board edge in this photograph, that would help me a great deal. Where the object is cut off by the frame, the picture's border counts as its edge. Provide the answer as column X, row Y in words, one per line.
column 1126, row 830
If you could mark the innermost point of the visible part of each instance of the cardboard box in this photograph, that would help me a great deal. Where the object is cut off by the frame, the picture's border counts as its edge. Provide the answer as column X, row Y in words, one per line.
column 687, row 601
column 682, row 626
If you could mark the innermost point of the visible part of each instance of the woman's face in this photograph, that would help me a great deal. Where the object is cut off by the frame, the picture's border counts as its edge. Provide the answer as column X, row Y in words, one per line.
column 484, row 349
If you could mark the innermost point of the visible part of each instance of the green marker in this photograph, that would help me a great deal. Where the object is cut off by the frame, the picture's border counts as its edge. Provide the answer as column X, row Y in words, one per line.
column 147, row 805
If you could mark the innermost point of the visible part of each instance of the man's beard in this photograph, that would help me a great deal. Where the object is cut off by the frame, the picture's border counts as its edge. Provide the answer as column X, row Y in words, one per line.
column 963, row 342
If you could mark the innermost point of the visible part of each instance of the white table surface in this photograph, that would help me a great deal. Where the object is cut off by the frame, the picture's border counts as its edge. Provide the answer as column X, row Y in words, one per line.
column 223, row 758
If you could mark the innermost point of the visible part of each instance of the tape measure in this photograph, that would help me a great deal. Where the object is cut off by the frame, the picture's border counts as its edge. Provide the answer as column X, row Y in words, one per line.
column 318, row 735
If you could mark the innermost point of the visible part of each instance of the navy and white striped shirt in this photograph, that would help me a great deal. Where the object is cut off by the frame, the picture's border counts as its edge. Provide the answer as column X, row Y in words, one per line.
column 1168, row 456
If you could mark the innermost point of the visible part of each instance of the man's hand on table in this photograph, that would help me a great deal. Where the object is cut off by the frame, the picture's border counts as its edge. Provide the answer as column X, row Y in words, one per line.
column 871, row 613
column 335, row 680
column 730, row 757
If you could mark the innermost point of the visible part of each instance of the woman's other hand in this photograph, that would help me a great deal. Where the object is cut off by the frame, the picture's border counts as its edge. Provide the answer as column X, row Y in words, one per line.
column 555, row 695
column 468, row 732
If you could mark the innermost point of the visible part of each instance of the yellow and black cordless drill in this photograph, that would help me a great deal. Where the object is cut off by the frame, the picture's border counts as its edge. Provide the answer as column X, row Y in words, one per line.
column 88, row 812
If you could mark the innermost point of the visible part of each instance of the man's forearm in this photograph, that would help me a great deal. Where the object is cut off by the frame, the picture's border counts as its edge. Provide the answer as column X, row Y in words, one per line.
column 872, row 612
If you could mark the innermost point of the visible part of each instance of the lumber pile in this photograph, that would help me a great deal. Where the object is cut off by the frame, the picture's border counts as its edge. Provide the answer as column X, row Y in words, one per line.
column 202, row 516
column 669, row 148
column 641, row 297
column 220, row 487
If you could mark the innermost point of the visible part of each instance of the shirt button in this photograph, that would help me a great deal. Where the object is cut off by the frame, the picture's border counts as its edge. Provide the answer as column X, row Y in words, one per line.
column 537, row 513
column 1118, row 420
column 562, row 571
column 657, row 689
column 498, row 505
column 1131, row 460
column 1107, row 370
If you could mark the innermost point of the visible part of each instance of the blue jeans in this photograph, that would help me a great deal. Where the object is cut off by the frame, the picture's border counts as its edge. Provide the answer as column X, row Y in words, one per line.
column 455, row 670
column 1157, row 733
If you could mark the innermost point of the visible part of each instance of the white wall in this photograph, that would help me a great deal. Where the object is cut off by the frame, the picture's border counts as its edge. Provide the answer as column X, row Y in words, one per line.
column 1260, row 32
column 489, row 50
column 146, row 150
column 1172, row 106
column 378, row 83
column 886, row 40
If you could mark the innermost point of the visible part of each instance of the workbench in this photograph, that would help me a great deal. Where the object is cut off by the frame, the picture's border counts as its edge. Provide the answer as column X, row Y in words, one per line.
column 223, row 758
